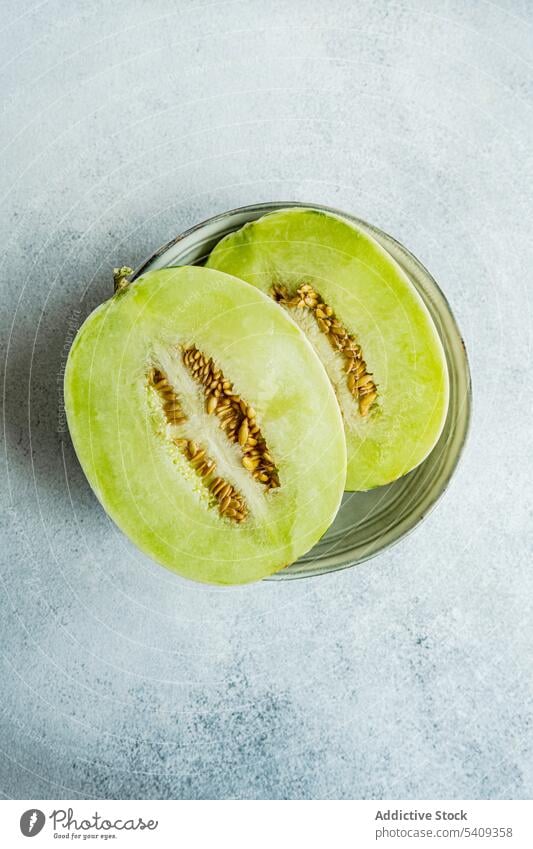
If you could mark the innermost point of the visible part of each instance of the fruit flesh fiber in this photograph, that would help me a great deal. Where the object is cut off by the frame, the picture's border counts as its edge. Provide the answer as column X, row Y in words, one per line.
column 375, row 302
column 139, row 476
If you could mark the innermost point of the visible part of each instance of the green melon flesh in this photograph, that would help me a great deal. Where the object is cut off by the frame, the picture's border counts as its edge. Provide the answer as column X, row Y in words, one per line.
column 126, row 446
column 379, row 306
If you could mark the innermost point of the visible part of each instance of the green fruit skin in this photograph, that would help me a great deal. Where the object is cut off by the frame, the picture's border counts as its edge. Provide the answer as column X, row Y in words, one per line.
column 130, row 469
column 376, row 302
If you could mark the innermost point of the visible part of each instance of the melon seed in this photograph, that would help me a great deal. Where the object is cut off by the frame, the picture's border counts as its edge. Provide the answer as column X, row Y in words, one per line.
column 243, row 433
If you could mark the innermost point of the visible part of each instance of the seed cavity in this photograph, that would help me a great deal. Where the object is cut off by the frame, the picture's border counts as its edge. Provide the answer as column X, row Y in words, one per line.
column 230, row 503
column 359, row 379
column 237, row 418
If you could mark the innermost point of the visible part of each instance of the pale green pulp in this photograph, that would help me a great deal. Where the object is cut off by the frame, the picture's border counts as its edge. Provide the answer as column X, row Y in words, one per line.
column 375, row 301
column 142, row 484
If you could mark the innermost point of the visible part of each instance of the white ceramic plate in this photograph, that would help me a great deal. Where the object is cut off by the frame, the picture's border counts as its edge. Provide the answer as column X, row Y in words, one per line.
column 367, row 522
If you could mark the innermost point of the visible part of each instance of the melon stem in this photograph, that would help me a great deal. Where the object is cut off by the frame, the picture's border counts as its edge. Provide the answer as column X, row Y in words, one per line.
column 120, row 277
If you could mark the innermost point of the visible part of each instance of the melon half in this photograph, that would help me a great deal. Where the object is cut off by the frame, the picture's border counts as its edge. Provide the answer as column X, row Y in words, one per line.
column 368, row 325
column 206, row 425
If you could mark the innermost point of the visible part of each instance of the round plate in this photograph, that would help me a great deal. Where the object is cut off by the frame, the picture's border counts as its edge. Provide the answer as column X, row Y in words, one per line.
column 367, row 522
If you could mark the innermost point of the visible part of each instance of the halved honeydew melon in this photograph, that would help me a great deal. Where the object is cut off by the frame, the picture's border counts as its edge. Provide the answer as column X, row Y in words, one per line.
column 206, row 425
column 368, row 325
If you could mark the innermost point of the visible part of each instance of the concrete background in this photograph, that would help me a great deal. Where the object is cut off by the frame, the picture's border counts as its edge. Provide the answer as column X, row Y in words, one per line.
column 124, row 123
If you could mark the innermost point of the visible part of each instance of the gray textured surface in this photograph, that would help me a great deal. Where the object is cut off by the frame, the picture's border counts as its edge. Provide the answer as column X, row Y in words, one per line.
column 124, row 123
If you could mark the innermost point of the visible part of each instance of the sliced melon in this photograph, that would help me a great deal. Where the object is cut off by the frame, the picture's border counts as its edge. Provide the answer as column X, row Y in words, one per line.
column 367, row 324
column 206, row 425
